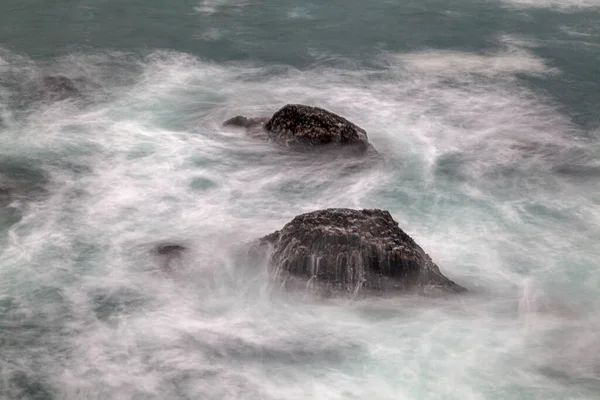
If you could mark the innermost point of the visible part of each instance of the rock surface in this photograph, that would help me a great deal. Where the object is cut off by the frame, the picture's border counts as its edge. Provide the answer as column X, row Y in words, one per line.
column 297, row 125
column 314, row 126
column 353, row 251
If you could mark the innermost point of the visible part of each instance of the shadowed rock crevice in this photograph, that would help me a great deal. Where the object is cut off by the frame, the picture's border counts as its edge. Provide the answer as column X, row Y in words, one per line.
column 353, row 251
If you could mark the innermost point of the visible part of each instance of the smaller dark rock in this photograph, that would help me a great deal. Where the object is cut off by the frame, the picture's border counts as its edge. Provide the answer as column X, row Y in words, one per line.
column 254, row 126
column 169, row 249
column 314, row 126
column 169, row 256
column 5, row 196
column 302, row 127
column 57, row 88
column 244, row 122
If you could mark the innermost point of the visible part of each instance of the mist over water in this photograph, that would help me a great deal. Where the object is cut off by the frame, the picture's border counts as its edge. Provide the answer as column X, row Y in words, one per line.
column 489, row 143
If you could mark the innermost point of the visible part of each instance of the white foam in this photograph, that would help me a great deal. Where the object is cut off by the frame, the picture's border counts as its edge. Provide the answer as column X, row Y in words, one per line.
column 300, row 13
column 560, row 5
column 453, row 63
column 212, row 34
column 211, row 7
column 572, row 32
column 512, row 41
column 156, row 165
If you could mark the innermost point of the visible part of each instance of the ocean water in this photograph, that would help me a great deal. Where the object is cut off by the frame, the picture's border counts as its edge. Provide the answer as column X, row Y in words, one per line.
column 487, row 117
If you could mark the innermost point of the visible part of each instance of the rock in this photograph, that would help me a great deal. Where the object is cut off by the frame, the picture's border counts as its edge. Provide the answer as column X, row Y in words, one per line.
column 354, row 251
column 5, row 196
column 301, row 126
column 170, row 255
column 56, row 88
column 244, row 122
column 254, row 126
column 169, row 249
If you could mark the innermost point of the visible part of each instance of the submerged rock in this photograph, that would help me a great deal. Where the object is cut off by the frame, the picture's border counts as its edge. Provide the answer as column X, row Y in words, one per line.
column 5, row 196
column 354, row 250
column 56, row 88
column 297, row 125
column 244, row 122
column 169, row 255
column 169, row 249
column 254, row 126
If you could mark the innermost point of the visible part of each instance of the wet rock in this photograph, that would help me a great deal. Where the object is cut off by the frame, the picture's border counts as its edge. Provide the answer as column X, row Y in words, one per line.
column 244, row 122
column 169, row 249
column 5, row 196
column 314, row 126
column 354, row 251
column 301, row 126
column 170, row 255
column 254, row 126
column 56, row 88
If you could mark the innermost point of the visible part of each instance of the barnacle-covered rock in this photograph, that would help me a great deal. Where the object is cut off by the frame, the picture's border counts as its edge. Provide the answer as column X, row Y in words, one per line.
column 352, row 251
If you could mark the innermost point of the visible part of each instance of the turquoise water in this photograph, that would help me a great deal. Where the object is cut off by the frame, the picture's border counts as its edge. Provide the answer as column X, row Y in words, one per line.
column 485, row 112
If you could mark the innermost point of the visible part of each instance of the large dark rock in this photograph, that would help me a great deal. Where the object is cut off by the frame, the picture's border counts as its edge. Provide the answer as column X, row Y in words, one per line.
column 168, row 249
column 354, row 251
column 301, row 126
